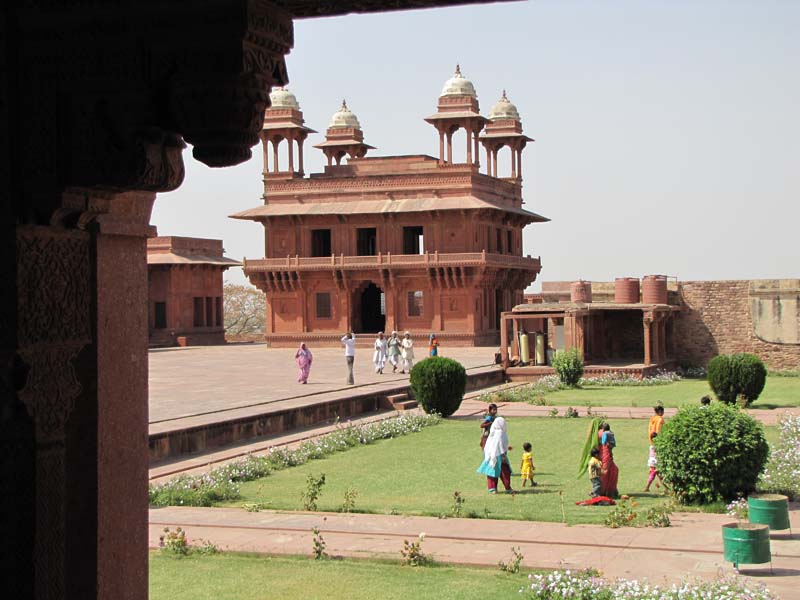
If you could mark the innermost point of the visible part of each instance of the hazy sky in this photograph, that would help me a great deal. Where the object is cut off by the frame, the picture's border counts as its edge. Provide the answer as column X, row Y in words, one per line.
column 667, row 132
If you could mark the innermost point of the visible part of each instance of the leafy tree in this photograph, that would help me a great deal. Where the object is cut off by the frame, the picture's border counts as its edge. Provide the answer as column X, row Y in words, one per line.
column 245, row 310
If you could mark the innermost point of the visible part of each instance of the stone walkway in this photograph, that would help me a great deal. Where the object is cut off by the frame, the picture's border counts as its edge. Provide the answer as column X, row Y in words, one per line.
column 691, row 547
column 213, row 381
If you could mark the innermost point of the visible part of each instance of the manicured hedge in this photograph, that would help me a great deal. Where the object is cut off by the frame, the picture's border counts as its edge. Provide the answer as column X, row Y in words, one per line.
column 438, row 384
column 711, row 453
column 734, row 376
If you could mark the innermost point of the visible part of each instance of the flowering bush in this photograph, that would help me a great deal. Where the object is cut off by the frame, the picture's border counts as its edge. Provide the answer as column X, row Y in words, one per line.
column 533, row 393
column 587, row 585
column 782, row 475
column 222, row 483
column 738, row 509
column 626, row 380
column 413, row 555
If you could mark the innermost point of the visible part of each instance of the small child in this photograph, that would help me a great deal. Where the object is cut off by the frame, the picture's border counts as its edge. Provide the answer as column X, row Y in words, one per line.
column 652, row 462
column 595, row 466
column 527, row 469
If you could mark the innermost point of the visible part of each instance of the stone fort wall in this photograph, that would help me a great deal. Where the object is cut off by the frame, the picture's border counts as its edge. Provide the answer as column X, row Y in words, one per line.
column 722, row 317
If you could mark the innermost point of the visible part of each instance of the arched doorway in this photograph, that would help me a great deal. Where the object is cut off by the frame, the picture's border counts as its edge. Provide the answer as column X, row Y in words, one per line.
column 371, row 310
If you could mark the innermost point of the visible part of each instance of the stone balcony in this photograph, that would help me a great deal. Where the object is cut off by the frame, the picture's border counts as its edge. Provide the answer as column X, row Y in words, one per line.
column 389, row 261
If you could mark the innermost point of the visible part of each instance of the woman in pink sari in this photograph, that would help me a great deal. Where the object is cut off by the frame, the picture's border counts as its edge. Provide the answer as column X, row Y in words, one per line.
column 304, row 358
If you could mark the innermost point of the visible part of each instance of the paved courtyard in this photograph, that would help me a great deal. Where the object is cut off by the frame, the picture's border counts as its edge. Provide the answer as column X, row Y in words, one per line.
column 211, row 380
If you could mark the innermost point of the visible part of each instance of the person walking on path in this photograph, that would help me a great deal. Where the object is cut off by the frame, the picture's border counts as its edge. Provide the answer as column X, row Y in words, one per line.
column 433, row 345
column 349, row 343
column 379, row 355
column 656, row 422
column 408, row 353
column 652, row 463
column 495, row 457
column 486, row 424
column 393, row 351
column 303, row 358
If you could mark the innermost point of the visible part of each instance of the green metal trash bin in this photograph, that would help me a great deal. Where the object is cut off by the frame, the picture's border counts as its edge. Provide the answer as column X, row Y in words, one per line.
column 746, row 543
column 769, row 509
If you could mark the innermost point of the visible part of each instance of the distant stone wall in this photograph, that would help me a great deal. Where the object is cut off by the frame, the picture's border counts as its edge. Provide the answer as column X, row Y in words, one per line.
column 722, row 317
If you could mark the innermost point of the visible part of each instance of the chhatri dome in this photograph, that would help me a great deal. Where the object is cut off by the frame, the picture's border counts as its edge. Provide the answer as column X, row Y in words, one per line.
column 283, row 98
column 344, row 119
column 458, row 85
column 503, row 109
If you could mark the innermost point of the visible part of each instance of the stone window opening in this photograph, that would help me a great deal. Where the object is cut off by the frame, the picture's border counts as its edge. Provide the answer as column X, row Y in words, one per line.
column 209, row 312
column 366, row 241
column 509, row 242
column 160, row 315
column 198, row 312
column 218, row 311
column 321, row 242
column 415, row 303
column 323, row 305
column 413, row 240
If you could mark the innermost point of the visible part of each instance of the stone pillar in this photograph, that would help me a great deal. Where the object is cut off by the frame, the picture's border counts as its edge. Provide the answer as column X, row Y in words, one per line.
column 441, row 147
column 450, row 147
column 300, row 155
column 513, row 162
column 647, row 321
column 77, row 185
column 504, row 340
column 290, row 142
column 468, row 131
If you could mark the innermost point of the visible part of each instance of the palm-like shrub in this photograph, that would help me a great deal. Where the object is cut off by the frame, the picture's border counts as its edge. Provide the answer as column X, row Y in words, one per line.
column 438, row 384
column 712, row 453
column 569, row 366
column 734, row 376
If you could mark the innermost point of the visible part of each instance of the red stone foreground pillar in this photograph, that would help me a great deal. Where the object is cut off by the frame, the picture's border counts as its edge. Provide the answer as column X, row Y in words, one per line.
column 76, row 188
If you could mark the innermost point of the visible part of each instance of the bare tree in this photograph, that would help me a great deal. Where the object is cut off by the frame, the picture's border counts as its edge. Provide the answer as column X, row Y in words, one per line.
column 245, row 310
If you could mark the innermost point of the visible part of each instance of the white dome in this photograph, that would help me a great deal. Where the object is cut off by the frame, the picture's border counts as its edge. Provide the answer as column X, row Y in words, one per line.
column 344, row 119
column 503, row 109
column 283, row 98
column 458, row 85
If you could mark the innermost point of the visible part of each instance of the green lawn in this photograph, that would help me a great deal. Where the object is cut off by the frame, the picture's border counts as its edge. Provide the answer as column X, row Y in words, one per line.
column 251, row 577
column 417, row 474
column 780, row 392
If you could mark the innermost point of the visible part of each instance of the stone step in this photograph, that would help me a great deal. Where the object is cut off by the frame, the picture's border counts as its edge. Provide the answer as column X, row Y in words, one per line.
column 405, row 405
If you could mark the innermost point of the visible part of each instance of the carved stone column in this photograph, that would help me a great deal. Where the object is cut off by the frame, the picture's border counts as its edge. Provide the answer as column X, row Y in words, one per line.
column 53, row 297
column 95, row 105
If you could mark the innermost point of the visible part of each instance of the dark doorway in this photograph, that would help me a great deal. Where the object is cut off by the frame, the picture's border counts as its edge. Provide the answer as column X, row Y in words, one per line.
column 413, row 242
column 366, row 244
column 320, row 242
column 373, row 313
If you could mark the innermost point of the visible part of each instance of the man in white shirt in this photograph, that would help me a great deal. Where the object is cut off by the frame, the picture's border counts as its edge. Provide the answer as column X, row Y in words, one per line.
column 349, row 343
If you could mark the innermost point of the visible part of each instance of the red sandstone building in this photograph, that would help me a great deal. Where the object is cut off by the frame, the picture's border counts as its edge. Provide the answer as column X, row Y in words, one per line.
column 393, row 243
column 185, row 302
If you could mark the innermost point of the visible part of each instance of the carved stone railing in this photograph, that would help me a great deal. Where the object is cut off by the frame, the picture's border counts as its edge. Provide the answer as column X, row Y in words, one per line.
column 388, row 260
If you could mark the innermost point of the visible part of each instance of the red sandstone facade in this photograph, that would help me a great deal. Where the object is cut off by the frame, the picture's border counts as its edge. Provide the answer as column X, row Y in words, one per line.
column 393, row 243
column 185, row 301
column 759, row 316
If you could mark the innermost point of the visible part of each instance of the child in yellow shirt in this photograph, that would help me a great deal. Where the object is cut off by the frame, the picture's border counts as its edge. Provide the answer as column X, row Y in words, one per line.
column 527, row 469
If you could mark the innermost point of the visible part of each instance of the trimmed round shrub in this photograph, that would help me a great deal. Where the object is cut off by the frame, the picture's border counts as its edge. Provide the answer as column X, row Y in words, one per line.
column 569, row 366
column 732, row 376
column 712, row 453
column 438, row 384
